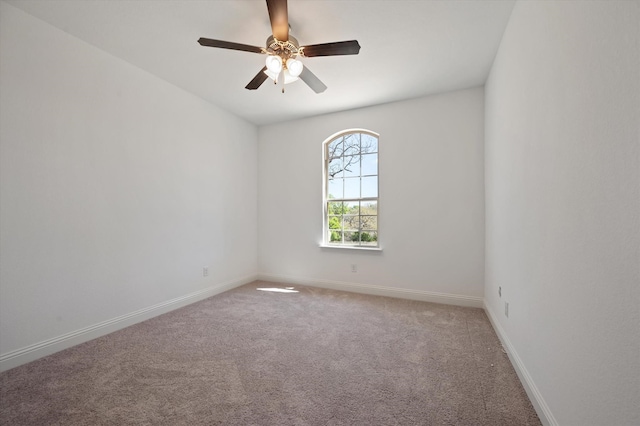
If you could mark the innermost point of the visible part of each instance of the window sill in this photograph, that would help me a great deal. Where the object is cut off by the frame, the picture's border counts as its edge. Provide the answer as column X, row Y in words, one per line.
column 361, row 248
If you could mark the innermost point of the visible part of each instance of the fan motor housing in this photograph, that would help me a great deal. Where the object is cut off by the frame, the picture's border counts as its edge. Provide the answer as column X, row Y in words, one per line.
column 284, row 49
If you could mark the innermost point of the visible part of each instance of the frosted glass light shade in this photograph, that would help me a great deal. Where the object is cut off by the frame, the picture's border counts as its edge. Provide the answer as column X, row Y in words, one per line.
column 288, row 78
column 272, row 75
column 274, row 63
column 294, row 66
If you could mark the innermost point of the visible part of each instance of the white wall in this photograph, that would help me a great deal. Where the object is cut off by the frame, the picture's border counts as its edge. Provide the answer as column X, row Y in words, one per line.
column 563, row 206
column 116, row 188
column 431, row 200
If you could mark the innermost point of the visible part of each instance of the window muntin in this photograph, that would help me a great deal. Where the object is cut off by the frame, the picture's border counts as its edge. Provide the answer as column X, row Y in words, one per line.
column 351, row 189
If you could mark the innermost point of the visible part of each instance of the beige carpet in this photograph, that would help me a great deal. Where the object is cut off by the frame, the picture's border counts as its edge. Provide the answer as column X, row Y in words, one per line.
column 249, row 357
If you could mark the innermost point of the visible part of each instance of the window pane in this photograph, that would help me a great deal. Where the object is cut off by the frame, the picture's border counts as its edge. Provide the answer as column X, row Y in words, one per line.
column 369, row 164
column 335, row 222
column 369, row 238
column 369, row 143
column 334, row 208
column 370, row 186
column 335, row 148
column 352, row 207
column 369, row 207
column 335, row 236
column 351, row 237
column 335, row 168
column 352, row 165
column 351, row 223
column 334, row 188
column 352, row 144
column 352, row 188
column 369, row 223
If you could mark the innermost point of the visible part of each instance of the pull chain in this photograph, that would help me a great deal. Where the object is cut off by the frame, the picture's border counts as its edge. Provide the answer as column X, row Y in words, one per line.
column 282, row 80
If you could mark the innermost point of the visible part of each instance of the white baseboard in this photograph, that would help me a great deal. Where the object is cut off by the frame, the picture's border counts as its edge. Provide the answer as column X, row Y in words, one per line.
column 47, row 347
column 400, row 293
column 541, row 407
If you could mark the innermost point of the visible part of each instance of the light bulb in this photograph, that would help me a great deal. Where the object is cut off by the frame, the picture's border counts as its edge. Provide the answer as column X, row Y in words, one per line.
column 294, row 66
column 274, row 63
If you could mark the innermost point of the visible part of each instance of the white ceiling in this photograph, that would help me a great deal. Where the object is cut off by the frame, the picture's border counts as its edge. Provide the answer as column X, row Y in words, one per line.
column 409, row 48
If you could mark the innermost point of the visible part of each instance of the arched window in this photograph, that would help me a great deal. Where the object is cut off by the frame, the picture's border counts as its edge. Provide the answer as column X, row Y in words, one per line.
column 351, row 189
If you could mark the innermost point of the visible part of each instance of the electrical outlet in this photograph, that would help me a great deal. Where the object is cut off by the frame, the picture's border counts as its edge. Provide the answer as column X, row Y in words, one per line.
column 354, row 268
column 500, row 291
column 506, row 309
column 205, row 271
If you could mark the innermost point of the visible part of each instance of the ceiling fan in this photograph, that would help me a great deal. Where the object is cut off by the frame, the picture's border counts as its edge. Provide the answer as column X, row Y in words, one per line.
column 283, row 52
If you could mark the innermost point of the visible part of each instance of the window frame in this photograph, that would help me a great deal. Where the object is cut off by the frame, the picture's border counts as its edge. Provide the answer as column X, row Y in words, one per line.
column 326, row 240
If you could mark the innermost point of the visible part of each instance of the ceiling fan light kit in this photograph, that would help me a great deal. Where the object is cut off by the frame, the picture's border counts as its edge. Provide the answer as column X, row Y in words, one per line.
column 283, row 52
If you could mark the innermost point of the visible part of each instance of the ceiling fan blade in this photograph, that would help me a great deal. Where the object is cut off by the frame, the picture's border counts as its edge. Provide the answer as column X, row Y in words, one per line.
column 312, row 81
column 257, row 80
column 229, row 45
column 279, row 18
column 351, row 47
